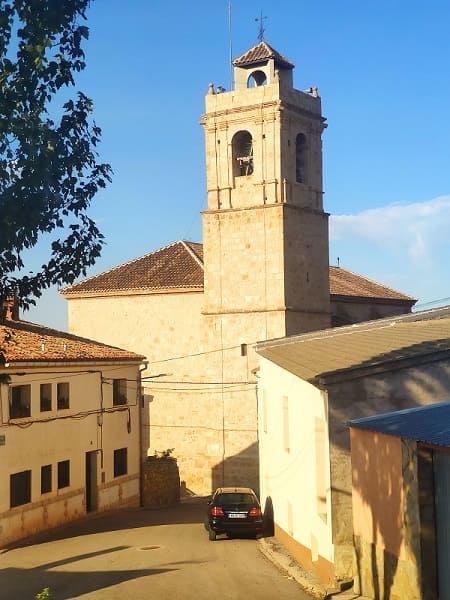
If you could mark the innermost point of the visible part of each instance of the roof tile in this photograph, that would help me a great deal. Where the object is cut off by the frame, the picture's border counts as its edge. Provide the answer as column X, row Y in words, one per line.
column 180, row 265
column 261, row 52
column 22, row 341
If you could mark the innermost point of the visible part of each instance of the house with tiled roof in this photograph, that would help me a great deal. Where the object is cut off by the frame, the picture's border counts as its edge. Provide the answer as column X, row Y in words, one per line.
column 309, row 387
column 197, row 310
column 70, row 428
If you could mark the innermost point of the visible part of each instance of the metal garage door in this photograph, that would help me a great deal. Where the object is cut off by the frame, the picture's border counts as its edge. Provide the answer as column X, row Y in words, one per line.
column 441, row 462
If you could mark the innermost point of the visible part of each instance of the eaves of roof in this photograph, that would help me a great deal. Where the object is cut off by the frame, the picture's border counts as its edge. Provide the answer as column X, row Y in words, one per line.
column 424, row 424
column 331, row 355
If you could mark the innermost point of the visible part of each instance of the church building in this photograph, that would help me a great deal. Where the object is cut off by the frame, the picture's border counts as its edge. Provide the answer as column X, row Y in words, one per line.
column 197, row 310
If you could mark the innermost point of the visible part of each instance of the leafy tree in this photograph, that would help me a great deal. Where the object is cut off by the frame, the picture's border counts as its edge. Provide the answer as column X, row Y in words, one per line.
column 49, row 169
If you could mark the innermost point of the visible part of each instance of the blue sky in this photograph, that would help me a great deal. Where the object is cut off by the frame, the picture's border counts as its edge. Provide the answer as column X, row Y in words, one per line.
column 382, row 69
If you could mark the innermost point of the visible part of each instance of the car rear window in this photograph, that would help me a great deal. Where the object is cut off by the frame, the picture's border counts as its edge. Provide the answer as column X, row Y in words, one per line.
column 235, row 498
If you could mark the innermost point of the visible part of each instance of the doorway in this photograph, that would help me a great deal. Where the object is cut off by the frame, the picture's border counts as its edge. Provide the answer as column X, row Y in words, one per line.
column 91, row 481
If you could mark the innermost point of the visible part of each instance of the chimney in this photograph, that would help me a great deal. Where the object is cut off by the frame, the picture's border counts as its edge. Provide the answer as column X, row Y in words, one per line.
column 11, row 308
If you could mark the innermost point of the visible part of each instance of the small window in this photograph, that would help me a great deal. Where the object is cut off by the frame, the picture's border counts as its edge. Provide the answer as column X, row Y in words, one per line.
column 242, row 154
column 300, row 158
column 119, row 392
column 46, row 396
column 63, row 474
column 20, row 402
column 46, row 479
column 286, row 441
column 120, row 462
column 63, row 396
column 20, row 488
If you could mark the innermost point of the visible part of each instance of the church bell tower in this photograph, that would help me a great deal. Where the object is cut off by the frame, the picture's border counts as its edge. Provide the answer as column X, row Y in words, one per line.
column 265, row 231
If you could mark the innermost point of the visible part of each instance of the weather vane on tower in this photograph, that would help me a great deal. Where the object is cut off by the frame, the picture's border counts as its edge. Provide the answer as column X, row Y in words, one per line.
column 261, row 27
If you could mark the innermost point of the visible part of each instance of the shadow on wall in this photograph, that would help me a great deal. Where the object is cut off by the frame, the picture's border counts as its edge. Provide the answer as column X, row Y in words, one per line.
column 240, row 470
column 405, row 385
column 378, row 478
column 268, row 518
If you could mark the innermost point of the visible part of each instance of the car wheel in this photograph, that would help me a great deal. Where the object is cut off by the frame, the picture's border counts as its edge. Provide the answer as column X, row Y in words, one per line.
column 212, row 535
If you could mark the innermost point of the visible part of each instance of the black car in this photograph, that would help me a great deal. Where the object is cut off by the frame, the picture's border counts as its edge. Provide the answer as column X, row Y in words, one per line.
column 234, row 511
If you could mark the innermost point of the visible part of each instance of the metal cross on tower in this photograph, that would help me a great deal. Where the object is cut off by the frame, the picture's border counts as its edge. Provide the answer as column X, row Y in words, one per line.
column 261, row 27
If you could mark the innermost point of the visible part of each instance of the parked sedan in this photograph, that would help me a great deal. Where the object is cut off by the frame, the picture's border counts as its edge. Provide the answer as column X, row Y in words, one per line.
column 234, row 511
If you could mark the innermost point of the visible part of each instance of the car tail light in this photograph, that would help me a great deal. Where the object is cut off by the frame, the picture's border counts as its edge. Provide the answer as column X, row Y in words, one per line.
column 255, row 512
column 216, row 511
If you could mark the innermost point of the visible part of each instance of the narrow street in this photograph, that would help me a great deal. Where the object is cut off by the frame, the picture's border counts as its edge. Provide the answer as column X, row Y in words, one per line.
column 142, row 554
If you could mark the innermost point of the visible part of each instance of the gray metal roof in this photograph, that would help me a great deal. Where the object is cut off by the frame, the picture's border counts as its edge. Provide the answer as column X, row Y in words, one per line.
column 427, row 424
column 375, row 344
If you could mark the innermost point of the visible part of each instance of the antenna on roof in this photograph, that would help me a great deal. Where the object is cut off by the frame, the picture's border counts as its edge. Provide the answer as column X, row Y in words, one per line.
column 261, row 27
column 231, row 46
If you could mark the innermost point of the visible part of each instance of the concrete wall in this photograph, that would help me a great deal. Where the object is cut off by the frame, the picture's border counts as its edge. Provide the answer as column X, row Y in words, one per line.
column 90, row 424
column 386, row 522
column 372, row 392
column 345, row 312
column 294, row 466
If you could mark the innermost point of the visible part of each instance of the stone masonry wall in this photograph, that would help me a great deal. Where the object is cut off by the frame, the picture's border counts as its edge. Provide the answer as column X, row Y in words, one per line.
column 161, row 486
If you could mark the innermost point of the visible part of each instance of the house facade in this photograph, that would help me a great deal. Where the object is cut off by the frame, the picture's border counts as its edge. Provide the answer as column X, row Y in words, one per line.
column 197, row 310
column 401, row 513
column 70, row 430
column 309, row 387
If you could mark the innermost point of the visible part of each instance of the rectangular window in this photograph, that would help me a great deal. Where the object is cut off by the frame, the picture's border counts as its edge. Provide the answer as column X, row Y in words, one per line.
column 46, row 479
column 20, row 401
column 63, row 474
column 46, row 396
column 63, row 396
column 120, row 462
column 20, row 488
column 119, row 392
column 286, row 441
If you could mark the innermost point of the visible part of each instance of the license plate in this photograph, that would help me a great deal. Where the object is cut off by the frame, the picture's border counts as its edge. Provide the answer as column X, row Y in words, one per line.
column 237, row 515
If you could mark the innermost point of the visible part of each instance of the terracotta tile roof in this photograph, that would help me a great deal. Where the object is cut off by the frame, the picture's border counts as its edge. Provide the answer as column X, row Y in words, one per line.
column 262, row 52
column 345, row 283
column 179, row 265
column 314, row 356
column 22, row 341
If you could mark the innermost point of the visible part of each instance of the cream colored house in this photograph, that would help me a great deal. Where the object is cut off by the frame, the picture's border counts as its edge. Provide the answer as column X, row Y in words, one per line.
column 70, row 431
column 309, row 387
column 196, row 310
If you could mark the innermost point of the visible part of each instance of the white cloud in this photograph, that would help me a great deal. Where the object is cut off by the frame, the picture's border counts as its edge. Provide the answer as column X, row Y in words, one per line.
column 412, row 229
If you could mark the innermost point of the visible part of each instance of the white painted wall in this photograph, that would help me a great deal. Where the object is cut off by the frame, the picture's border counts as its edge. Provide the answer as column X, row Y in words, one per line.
column 295, row 472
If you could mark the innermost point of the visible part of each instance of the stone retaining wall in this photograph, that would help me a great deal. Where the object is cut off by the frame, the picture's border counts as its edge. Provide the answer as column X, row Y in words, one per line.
column 161, row 482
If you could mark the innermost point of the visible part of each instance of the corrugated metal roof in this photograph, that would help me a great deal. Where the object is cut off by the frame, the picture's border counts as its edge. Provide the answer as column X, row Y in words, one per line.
column 426, row 424
column 314, row 355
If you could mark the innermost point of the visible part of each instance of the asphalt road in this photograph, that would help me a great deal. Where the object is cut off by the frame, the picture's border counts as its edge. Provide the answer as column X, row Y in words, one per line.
column 143, row 554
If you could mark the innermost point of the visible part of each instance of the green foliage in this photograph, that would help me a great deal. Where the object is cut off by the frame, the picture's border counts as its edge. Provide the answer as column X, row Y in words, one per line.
column 49, row 170
column 44, row 595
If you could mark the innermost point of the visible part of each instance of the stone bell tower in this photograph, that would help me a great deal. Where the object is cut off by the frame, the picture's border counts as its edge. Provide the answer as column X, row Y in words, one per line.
column 265, row 232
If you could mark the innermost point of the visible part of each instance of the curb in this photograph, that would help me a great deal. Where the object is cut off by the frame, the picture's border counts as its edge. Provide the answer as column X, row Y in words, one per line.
column 274, row 551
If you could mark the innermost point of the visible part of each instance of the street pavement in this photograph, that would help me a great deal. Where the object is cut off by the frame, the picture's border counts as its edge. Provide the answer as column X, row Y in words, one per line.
column 141, row 554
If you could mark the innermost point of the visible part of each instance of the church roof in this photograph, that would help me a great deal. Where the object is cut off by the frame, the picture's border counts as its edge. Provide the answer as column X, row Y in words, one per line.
column 180, row 267
column 24, row 342
column 331, row 354
column 259, row 53
column 344, row 284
